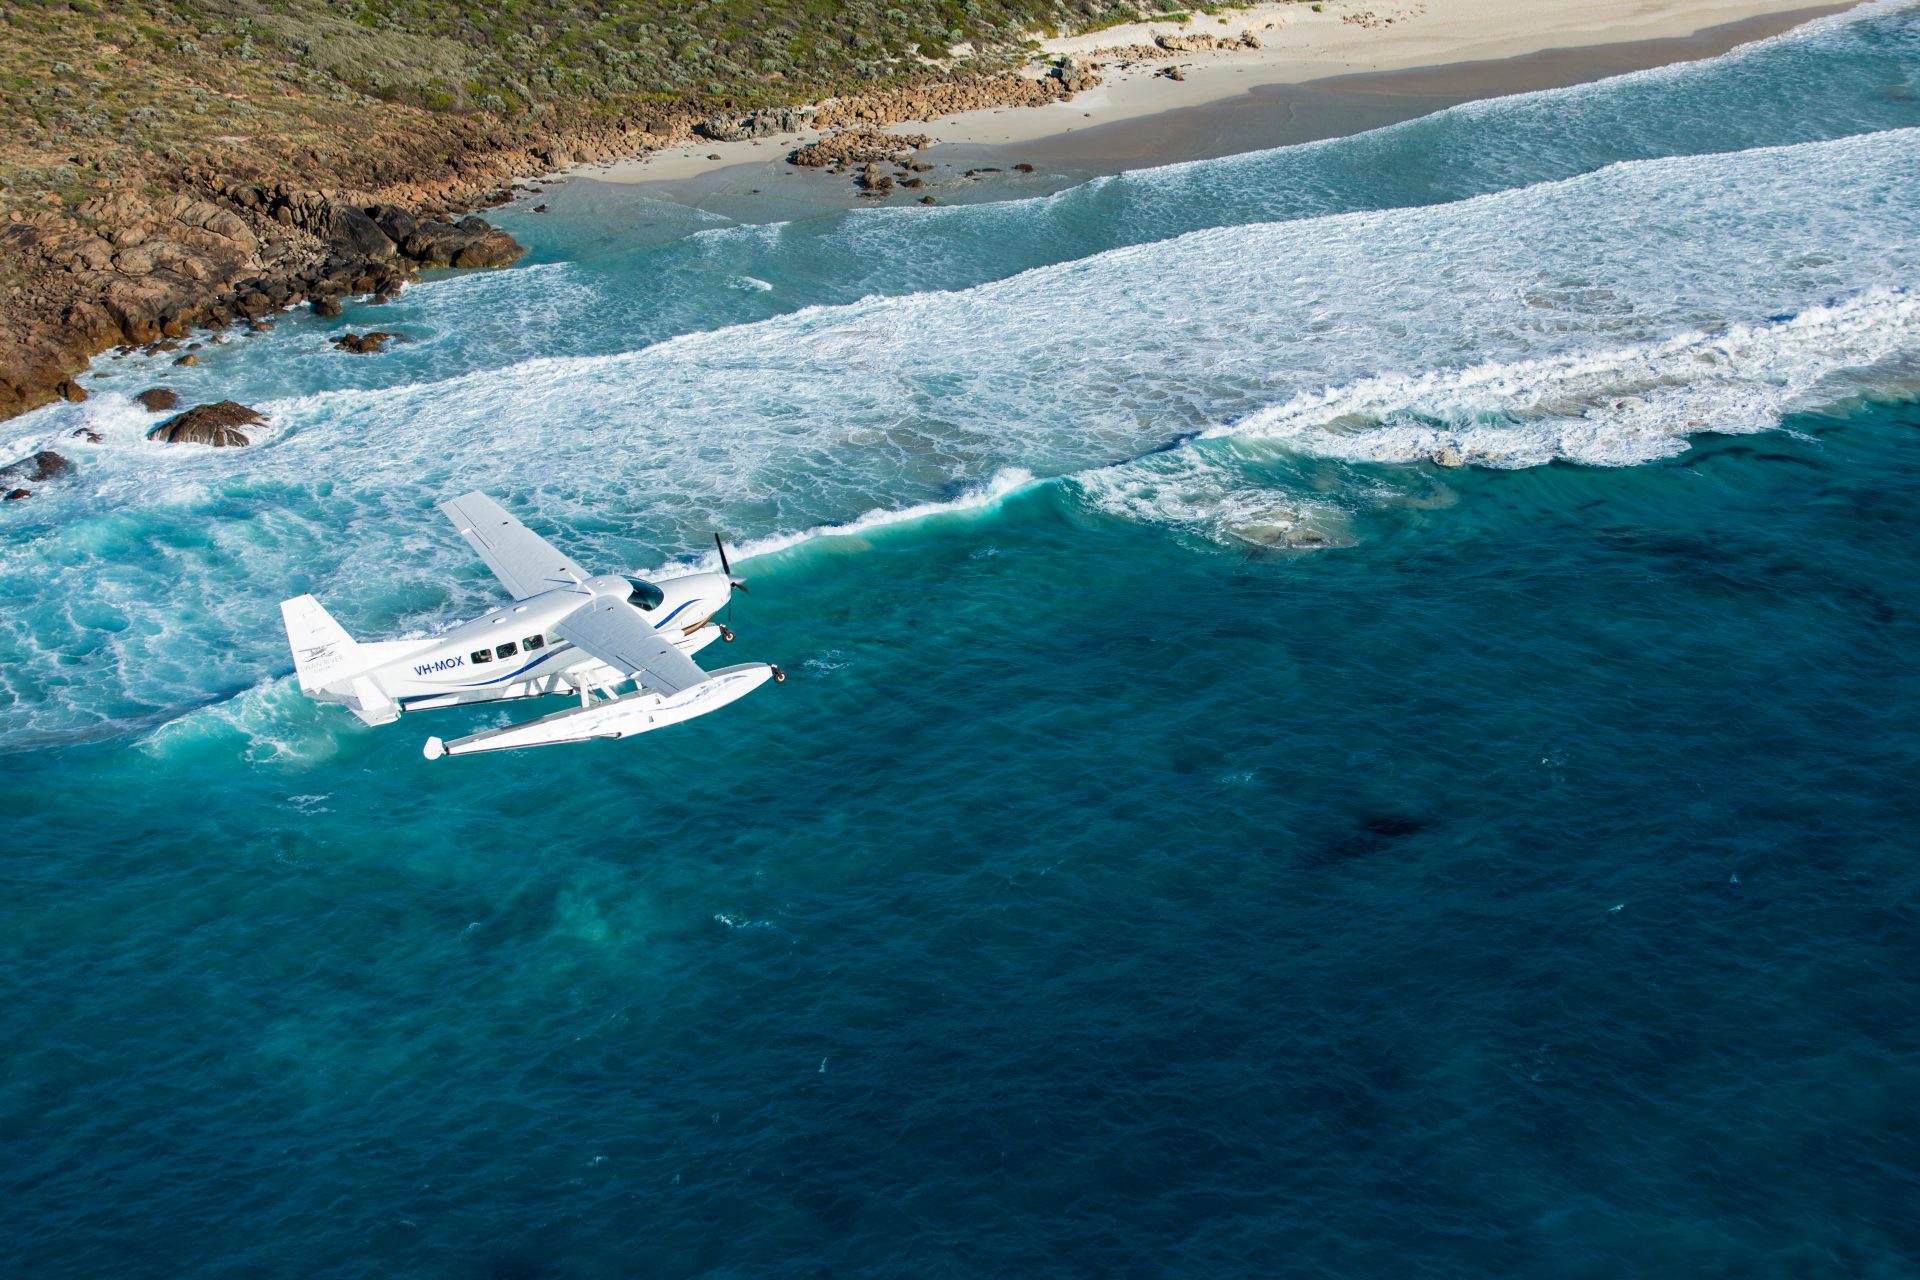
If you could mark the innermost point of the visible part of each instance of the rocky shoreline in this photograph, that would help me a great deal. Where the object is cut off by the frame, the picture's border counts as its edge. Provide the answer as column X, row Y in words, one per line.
column 129, row 270
column 233, row 238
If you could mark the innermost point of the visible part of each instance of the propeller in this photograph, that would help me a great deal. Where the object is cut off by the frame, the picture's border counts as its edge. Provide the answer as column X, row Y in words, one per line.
column 733, row 584
column 739, row 584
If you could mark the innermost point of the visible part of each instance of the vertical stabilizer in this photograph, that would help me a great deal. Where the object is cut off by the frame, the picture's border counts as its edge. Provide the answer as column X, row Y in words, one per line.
column 323, row 652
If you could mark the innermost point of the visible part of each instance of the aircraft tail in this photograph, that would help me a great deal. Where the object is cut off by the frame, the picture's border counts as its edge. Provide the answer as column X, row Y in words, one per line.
column 323, row 653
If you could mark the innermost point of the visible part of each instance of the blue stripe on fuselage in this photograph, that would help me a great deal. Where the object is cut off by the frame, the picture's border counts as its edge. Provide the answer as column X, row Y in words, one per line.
column 548, row 653
column 556, row 649
column 670, row 617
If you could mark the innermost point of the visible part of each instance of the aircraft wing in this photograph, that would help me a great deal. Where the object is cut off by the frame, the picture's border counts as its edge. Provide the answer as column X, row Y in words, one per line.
column 620, row 636
column 523, row 560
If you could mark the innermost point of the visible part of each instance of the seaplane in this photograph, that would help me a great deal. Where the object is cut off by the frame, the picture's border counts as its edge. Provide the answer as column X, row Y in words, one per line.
column 566, row 632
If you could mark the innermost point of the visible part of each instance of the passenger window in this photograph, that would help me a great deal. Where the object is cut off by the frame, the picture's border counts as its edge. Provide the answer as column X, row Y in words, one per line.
column 534, row 642
column 482, row 655
column 506, row 650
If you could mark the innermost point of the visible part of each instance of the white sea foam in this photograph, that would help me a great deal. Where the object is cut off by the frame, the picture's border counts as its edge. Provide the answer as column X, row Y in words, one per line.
column 1212, row 492
column 1615, row 406
column 267, row 723
column 1598, row 318
column 975, row 498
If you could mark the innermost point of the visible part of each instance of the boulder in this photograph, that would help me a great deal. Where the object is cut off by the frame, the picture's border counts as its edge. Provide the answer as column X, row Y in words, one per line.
column 755, row 124
column 353, row 234
column 1075, row 75
column 470, row 242
column 854, row 147
column 394, row 222
column 212, row 424
column 43, row 465
column 156, row 399
column 326, row 306
column 1191, row 43
column 489, row 249
column 71, row 391
column 363, row 343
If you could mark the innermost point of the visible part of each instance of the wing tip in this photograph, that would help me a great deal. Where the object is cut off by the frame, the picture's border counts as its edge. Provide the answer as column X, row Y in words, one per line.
column 447, row 504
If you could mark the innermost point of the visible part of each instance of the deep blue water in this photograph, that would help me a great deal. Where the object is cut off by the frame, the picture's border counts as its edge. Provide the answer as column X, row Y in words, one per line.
column 1208, row 832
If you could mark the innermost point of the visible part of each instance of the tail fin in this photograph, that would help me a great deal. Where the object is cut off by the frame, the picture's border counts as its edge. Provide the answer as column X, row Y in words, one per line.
column 323, row 652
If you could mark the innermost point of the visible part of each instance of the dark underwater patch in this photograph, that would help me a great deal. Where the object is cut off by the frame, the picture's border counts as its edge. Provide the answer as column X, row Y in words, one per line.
column 1370, row 836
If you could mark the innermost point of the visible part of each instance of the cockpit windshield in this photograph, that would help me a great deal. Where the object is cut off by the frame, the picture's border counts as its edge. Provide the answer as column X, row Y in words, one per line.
column 644, row 594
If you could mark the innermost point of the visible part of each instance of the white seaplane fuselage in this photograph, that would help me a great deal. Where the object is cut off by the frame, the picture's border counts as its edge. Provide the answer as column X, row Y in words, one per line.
column 564, row 632
column 511, row 652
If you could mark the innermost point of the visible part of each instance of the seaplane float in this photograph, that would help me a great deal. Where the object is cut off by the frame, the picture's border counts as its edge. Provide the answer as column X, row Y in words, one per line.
column 566, row 632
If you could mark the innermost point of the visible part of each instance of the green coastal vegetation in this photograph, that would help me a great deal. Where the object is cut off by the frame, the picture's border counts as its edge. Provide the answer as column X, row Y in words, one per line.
column 171, row 163
column 83, row 79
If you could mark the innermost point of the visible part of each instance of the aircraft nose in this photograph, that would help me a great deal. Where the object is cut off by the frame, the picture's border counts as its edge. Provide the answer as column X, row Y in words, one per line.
column 714, row 590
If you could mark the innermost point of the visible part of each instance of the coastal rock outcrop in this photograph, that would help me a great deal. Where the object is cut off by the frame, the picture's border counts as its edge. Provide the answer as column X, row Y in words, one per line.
column 364, row 343
column 470, row 242
column 1202, row 43
column 215, row 424
column 1075, row 74
column 157, row 399
column 352, row 233
column 15, row 476
column 34, row 468
column 132, row 269
column 858, row 147
column 218, row 229
column 755, row 124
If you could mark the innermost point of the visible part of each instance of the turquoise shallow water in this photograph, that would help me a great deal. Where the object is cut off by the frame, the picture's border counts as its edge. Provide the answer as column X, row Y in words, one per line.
column 1202, row 835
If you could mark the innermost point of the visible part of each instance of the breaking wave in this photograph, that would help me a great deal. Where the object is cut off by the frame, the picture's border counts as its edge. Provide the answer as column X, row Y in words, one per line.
column 1599, row 319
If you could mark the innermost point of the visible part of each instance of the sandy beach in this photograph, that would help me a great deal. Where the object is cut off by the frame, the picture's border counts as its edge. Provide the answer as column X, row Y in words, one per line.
column 1318, row 71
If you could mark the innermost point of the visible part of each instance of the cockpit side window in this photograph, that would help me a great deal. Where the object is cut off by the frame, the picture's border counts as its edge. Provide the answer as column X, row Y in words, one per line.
column 482, row 655
column 533, row 642
column 644, row 594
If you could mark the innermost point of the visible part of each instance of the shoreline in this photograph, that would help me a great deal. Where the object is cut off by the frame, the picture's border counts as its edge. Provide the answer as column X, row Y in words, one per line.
column 1303, row 84
column 225, row 237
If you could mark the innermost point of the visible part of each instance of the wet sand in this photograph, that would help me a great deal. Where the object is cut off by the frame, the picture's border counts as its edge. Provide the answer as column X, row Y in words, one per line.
column 1263, row 115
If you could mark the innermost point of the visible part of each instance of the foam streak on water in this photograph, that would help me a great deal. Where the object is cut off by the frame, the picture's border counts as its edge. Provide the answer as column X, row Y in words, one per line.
column 613, row 272
column 1202, row 835
column 1598, row 318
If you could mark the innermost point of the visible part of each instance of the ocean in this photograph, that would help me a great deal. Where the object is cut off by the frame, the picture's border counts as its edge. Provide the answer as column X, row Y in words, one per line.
column 1352, row 714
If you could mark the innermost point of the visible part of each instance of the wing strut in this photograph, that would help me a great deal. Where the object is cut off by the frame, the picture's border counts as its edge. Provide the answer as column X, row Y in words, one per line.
column 620, row 636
